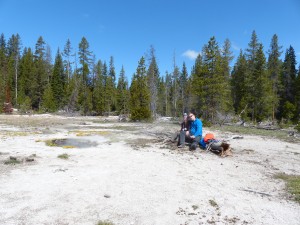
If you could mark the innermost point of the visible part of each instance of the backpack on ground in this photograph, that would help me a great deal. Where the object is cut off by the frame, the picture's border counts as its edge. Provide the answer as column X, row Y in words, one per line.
column 219, row 147
column 208, row 137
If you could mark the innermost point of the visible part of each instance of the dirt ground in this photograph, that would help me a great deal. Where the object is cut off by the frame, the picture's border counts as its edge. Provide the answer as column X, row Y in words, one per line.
column 131, row 174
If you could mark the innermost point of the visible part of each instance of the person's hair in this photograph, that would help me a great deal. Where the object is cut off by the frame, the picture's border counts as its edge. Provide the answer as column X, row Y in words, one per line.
column 193, row 112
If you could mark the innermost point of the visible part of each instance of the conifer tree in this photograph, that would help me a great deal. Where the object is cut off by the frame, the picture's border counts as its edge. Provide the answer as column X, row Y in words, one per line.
column 99, row 91
column 197, row 85
column 58, row 82
column 175, row 89
column 238, row 85
column 84, row 59
column 3, row 69
column 212, row 79
column 139, row 94
column 122, row 93
column 226, row 102
column 250, row 78
column 84, row 97
column 287, row 94
column 14, row 54
column 274, row 69
column 48, row 103
column 40, row 80
column 162, row 98
column 183, row 90
column 27, row 78
column 110, row 87
column 168, row 94
column 153, row 79
column 297, row 97
column 67, row 61
column 262, row 107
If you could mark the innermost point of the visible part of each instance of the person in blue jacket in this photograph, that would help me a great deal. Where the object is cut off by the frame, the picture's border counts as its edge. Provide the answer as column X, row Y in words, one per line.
column 195, row 133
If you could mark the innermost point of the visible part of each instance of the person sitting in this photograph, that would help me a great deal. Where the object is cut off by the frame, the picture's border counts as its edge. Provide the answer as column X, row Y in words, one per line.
column 185, row 126
column 194, row 135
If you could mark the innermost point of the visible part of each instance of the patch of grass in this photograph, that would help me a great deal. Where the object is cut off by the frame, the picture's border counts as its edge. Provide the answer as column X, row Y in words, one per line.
column 54, row 142
column 292, row 184
column 63, row 156
column 105, row 223
column 51, row 142
column 18, row 133
column 213, row 203
column 90, row 133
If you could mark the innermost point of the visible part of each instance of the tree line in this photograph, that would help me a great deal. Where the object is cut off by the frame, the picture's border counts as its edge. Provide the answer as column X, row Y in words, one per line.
column 260, row 86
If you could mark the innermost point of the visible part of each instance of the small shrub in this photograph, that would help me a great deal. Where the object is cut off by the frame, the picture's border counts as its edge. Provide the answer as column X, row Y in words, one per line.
column 206, row 123
column 213, row 203
column 105, row 223
column 51, row 143
column 63, row 156
column 297, row 127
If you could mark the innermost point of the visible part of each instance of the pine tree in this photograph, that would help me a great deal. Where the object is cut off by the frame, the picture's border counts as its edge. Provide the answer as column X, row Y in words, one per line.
column 26, row 78
column 3, row 69
column 162, row 98
column 40, row 80
column 262, row 101
column 110, row 87
column 48, row 103
column 84, row 98
column 238, row 85
column 183, row 90
column 250, row 78
column 153, row 79
column 274, row 69
column 297, row 96
column 99, row 91
column 287, row 94
column 226, row 102
column 67, row 54
column 14, row 54
column 84, row 59
column 212, row 79
column 168, row 94
column 58, row 82
column 197, row 94
column 139, row 94
column 122, row 93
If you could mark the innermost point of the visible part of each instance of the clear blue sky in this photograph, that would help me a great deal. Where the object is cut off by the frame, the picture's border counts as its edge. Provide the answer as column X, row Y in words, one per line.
column 125, row 29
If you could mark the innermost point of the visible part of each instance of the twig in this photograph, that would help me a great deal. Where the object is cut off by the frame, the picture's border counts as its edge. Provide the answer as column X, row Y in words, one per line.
column 257, row 192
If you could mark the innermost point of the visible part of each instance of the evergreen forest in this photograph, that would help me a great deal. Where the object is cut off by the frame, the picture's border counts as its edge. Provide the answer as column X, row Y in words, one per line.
column 263, row 84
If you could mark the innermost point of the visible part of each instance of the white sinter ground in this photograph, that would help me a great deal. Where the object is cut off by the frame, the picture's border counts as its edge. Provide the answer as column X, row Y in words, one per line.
column 129, row 174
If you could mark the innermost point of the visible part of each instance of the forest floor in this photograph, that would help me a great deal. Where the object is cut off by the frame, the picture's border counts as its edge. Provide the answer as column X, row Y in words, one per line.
column 84, row 170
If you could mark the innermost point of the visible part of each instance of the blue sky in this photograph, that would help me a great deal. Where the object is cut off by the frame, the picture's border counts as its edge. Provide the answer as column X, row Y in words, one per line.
column 125, row 29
